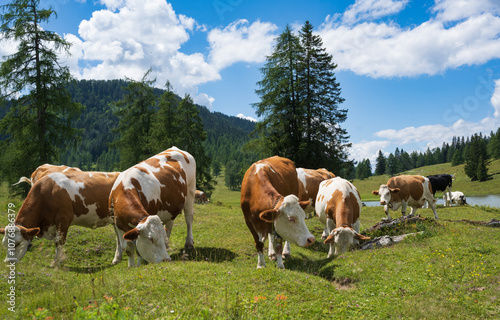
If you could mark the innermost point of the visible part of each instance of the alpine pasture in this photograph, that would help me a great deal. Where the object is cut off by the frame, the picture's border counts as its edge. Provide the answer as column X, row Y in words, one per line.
column 450, row 271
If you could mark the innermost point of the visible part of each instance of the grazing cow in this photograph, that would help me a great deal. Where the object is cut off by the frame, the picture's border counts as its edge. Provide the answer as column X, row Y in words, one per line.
column 406, row 190
column 200, row 197
column 271, row 207
column 148, row 195
column 338, row 207
column 457, row 197
column 56, row 202
column 441, row 182
column 44, row 170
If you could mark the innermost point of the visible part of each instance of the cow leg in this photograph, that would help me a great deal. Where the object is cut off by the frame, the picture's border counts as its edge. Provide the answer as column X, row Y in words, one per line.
column 433, row 207
column 270, row 250
column 259, row 245
column 168, row 226
column 188, row 215
column 278, row 248
column 330, row 226
column 386, row 210
column 286, row 250
column 261, row 262
column 59, row 240
column 130, row 250
column 403, row 208
column 119, row 246
column 449, row 201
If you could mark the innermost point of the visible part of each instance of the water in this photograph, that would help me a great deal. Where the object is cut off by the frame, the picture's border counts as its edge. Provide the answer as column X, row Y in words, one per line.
column 491, row 200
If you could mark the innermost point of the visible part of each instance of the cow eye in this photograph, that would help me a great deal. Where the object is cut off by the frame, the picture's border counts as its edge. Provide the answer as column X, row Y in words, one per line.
column 291, row 219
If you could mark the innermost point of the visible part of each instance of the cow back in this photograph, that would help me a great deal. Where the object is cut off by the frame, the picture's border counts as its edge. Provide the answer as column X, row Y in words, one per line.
column 409, row 186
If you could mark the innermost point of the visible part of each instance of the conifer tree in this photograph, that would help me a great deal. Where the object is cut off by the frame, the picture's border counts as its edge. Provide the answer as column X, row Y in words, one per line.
column 135, row 112
column 37, row 124
column 381, row 163
column 165, row 130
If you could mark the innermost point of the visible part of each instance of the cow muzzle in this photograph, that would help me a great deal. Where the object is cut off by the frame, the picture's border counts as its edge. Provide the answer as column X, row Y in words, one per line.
column 383, row 203
column 310, row 241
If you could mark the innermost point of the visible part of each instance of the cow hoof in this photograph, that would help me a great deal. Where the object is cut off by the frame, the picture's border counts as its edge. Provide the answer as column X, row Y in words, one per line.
column 286, row 255
column 272, row 257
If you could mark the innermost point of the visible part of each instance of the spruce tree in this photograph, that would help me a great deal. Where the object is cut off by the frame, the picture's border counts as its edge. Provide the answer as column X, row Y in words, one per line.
column 37, row 123
column 135, row 112
column 381, row 163
column 476, row 156
column 165, row 130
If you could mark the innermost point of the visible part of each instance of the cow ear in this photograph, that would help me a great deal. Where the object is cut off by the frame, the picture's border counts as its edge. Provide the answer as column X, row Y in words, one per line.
column 360, row 236
column 395, row 190
column 132, row 234
column 31, row 232
column 375, row 192
column 304, row 204
column 269, row 215
column 329, row 239
column 2, row 231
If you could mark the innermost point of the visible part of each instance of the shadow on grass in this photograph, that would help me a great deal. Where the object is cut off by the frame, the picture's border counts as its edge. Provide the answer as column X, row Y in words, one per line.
column 88, row 269
column 205, row 254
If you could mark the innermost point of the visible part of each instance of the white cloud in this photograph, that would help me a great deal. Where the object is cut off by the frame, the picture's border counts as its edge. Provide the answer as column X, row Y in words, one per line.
column 454, row 10
column 242, row 116
column 388, row 50
column 241, row 42
column 371, row 9
column 367, row 150
column 495, row 99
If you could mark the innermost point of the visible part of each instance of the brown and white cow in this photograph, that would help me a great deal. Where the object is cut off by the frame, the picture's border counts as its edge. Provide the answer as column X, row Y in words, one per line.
column 338, row 206
column 200, row 197
column 148, row 195
column 271, row 207
column 57, row 201
column 406, row 190
column 309, row 181
column 44, row 170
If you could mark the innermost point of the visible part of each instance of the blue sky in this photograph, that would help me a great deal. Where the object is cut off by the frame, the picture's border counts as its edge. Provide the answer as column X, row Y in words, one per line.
column 413, row 73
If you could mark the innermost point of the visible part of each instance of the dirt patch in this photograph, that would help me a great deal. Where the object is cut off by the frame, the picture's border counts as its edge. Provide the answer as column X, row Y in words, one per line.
column 344, row 283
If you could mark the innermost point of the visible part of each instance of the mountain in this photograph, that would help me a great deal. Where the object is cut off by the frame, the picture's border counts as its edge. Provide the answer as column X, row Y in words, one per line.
column 225, row 134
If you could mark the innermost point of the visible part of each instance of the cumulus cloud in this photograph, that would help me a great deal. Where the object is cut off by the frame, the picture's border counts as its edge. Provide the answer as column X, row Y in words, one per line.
column 387, row 50
column 371, row 9
column 454, row 10
column 367, row 149
column 241, row 42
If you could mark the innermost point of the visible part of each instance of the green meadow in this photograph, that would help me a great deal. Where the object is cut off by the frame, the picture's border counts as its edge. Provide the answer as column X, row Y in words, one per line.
column 449, row 271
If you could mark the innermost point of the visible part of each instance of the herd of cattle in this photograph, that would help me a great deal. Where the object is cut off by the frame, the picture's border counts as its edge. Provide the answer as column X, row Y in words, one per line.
column 142, row 202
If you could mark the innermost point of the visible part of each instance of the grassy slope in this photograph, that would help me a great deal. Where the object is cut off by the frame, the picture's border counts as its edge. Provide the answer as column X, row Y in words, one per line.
column 452, row 271
column 462, row 182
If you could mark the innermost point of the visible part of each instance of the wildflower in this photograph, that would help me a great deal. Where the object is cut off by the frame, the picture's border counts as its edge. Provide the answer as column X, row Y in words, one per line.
column 108, row 298
column 257, row 298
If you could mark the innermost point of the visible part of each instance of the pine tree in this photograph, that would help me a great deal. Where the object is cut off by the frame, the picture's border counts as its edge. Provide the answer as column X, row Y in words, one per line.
column 476, row 156
column 299, row 104
column 482, row 170
column 37, row 124
column 191, row 136
column 135, row 112
column 165, row 130
column 381, row 163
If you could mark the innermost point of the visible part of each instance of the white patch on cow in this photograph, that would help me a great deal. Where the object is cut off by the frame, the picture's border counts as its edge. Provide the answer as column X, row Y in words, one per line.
column 260, row 166
column 290, row 223
column 72, row 187
column 301, row 174
column 150, row 186
column 164, row 215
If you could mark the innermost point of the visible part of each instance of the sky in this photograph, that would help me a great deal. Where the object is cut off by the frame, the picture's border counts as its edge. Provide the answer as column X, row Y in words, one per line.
column 413, row 73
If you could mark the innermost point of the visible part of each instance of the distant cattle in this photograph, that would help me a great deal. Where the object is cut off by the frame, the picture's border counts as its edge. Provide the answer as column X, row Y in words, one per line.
column 406, row 190
column 148, row 194
column 56, row 202
column 338, row 206
column 200, row 197
column 441, row 182
column 44, row 170
column 457, row 197
column 271, row 207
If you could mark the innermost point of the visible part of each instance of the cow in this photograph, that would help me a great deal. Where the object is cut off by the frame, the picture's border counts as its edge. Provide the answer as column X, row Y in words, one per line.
column 457, row 197
column 44, row 170
column 200, row 197
column 272, row 208
column 309, row 181
column 406, row 190
column 441, row 182
column 338, row 207
column 54, row 203
column 149, row 195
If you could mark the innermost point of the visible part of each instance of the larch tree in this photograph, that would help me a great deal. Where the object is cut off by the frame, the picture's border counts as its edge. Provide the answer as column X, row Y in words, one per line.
column 39, row 111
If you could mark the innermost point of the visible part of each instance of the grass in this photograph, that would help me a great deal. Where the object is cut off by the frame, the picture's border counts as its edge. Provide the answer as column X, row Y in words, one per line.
column 451, row 271
column 462, row 182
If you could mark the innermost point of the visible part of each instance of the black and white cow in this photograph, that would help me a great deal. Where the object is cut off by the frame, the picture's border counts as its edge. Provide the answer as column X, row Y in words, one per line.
column 441, row 182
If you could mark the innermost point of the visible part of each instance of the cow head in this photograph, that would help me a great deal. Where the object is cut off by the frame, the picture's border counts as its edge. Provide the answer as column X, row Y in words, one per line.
column 150, row 239
column 289, row 221
column 343, row 239
column 385, row 193
column 16, row 240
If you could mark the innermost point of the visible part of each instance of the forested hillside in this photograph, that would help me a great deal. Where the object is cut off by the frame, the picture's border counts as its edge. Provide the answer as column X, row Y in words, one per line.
column 97, row 123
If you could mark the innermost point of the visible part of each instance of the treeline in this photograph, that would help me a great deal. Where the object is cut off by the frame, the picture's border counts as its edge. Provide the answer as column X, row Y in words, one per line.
column 475, row 152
